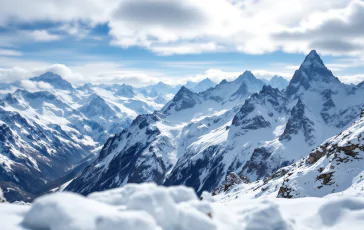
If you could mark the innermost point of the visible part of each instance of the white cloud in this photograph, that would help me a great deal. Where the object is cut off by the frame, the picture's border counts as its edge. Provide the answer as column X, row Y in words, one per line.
column 355, row 79
column 8, row 52
column 33, row 86
column 247, row 26
column 333, row 32
column 8, row 75
column 42, row 36
column 216, row 75
column 187, row 26
column 266, row 74
column 94, row 72
column 191, row 48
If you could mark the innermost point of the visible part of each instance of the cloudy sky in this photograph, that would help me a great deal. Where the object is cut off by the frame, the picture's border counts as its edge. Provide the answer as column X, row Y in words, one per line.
column 140, row 42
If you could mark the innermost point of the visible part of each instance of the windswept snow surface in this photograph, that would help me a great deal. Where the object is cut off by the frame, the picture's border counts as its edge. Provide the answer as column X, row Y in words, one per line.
column 152, row 207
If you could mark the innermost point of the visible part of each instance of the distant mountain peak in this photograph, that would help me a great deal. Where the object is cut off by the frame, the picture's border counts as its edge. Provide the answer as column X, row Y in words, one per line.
column 206, row 80
column 161, row 84
column 184, row 99
column 96, row 106
column 53, row 79
column 125, row 90
column 204, row 85
column 278, row 82
column 247, row 75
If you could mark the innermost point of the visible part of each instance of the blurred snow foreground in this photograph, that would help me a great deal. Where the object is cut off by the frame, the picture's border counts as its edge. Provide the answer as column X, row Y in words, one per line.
column 152, row 207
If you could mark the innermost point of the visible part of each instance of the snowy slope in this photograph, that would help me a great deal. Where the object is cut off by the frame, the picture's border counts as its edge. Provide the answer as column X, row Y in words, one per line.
column 335, row 167
column 151, row 207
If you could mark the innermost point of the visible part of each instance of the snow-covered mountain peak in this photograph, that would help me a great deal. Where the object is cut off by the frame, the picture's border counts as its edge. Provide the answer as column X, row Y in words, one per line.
column 203, row 85
column 184, row 99
column 278, row 82
column 313, row 60
column 86, row 87
column 125, row 91
column 254, row 84
column 312, row 73
column 246, row 75
column 53, row 79
column 96, row 107
column 206, row 81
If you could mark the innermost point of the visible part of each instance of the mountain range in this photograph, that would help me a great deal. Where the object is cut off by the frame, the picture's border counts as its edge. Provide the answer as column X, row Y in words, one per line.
column 52, row 135
column 242, row 126
column 203, row 135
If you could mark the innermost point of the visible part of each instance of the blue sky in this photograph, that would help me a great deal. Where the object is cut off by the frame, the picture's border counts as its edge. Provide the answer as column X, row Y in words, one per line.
column 142, row 42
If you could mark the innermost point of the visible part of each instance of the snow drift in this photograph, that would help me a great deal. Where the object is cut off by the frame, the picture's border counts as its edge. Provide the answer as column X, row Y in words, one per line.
column 152, row 207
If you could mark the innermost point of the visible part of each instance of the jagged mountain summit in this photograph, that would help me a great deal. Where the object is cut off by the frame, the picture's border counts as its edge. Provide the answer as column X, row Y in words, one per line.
column 311, row 74
column 198, row 138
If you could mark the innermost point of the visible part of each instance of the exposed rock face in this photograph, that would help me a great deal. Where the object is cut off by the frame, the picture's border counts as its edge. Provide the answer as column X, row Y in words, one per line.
column 298, row 122
column 133, row 161
column 334, row 166
column 267, row 95
column 231, row 180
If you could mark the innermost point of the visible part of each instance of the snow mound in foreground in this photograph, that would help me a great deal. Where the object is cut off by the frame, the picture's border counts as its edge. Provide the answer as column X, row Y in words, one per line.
column 152, row 207
column 144, row 207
